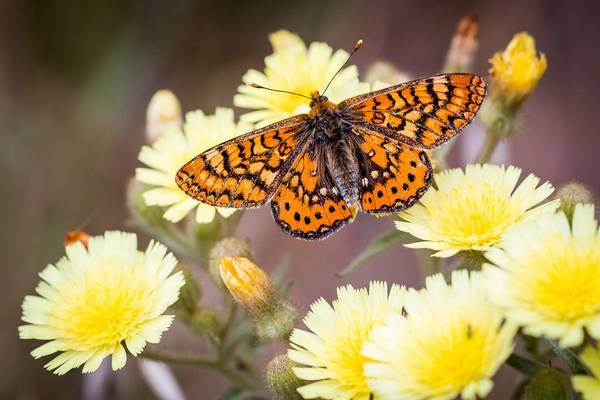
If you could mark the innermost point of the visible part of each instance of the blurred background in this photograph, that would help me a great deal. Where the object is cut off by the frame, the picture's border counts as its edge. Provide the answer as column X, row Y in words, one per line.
column 76, row 78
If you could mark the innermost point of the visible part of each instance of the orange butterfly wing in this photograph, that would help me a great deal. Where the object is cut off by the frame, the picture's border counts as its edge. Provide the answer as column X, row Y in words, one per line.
column 244, row 172
column 308, row 204
column 393, row 176
column 423, row 113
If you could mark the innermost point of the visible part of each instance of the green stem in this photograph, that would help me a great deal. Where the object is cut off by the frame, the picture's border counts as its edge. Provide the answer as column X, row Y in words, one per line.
column 524, row 365
column 491, row 141
column 239, row 378
column 569, row 357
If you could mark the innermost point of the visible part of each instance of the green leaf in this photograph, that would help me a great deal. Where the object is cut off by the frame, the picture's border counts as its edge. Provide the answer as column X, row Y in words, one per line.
column 380, row 244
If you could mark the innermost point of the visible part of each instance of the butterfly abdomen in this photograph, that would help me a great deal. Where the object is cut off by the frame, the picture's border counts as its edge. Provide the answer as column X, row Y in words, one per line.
column 341, row 161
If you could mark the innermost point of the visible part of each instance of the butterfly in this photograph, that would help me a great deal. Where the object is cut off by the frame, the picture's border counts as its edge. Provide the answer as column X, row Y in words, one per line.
column 367, row 152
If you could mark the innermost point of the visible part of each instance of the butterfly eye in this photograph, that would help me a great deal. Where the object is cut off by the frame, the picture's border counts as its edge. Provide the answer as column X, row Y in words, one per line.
column 324, row 98
column 312, row 103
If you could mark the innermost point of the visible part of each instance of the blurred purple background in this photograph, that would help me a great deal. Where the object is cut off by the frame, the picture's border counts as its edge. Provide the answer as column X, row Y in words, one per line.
column 76, row 77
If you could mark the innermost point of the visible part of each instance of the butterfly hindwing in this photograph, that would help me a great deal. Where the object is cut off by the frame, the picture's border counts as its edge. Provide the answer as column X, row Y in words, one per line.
column 308, row 204
column 245, row 171
column 392, row 175
column 423, row 113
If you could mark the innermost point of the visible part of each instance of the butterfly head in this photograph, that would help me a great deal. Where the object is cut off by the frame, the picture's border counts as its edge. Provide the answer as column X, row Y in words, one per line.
column 319, row 103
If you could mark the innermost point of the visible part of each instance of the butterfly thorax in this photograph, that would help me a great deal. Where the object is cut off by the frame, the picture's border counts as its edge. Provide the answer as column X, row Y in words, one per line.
column 334, row 140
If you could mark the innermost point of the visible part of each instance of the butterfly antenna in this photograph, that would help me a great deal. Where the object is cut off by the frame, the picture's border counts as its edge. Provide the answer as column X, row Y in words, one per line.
column 356, row 47
column 254, row 85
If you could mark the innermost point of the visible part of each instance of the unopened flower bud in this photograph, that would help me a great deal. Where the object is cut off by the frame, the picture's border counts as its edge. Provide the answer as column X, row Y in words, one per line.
column 164, row 109
column 76, row 236
column 272, row 315
column 383, row 71
column 226, row 248
column 517, row 70
column 247, row 283
column 463, row 47
column 571, row 194
column 281, row 378
column 548, row 383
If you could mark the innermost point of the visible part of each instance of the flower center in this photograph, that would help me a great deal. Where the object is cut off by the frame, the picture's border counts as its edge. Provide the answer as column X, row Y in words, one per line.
column 561, row 279
column 474, row 218
column 452, row 357
column 107, row 308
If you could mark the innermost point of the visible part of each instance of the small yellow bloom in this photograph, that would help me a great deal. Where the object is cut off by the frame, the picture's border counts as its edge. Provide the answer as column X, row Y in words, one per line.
column 100, row 298
column 517, row 70
column 247, row 283
column 331, row 353
column 172, row 150
column 273, row 315
column 451, row 342
column 164, row 110
column 589, row 386
column 546, row 276
column 471, row 210
column 295, row 67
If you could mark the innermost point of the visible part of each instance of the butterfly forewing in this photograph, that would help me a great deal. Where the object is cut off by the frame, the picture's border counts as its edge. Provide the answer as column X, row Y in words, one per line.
column 393, row 176
column 308, row 204
column 245, row 171
column 423, row 113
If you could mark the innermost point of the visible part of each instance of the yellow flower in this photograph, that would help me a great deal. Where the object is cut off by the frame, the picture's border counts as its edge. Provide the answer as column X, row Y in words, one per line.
column 174, row 148
column 470, row 210
column 589, row 386
column 332, row 351
column 450, row 342
column 295, row 67
column 546, row 276
column 518, row 69
column 246, row 282
column 95, row 300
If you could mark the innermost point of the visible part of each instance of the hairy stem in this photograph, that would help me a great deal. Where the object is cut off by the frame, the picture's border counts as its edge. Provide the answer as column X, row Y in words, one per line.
column 569, row 357
column 491, row 142
column 524, row 365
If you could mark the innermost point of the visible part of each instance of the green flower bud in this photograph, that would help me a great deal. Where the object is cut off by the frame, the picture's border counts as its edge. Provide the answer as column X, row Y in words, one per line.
column 547, row 384
column 281, row 379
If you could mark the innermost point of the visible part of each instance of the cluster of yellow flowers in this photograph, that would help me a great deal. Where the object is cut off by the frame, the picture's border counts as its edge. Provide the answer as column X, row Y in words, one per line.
column 450, row 339
column 540, row 261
